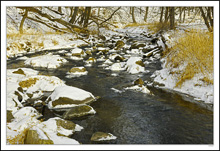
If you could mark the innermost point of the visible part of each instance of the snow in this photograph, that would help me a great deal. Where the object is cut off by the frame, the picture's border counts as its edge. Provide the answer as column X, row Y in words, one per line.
column 76, row 74
column 132, row 67
column 117, row 66
column 142, row 89
column 202, row 92
column 51, row 129
column 116, row 90
column 69, row 92
column 48, row 61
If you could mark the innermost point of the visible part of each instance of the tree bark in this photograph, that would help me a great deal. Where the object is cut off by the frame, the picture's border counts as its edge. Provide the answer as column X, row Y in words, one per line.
column 87, row 14
column 60, row 9
column 172, row 18
column 132, row 13
column 205, row 19
column 146, row 13
column 73, row 18
column 161, row 15
column 166, row 14
column 22, row 21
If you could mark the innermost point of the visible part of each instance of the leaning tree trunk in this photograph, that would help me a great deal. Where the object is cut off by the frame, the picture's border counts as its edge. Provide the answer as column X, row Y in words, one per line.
column 184, row 14
column 132, row 13
column 146, row 13
column 205, row 19
column 22, row 21
column 73, row 18
column 172, row 18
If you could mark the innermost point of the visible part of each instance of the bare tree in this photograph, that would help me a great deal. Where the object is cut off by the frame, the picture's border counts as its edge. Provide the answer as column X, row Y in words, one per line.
column 166, row 15
column 172, row 17
column 132, row 13
column 208, row 22
column 73, row 18
column 146, row 13
column 161, row 14
column 22, row 21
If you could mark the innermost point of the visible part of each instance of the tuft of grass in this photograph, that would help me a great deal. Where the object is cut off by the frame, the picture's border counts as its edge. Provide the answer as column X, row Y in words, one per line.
column 196, row 49
column 28, row 83
column 55, row 42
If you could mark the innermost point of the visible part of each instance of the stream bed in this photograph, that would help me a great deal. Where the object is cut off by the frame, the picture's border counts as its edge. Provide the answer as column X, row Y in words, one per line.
column 133, row 117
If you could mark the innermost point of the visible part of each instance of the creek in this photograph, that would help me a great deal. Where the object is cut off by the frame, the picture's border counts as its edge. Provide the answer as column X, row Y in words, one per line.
column 166, row 117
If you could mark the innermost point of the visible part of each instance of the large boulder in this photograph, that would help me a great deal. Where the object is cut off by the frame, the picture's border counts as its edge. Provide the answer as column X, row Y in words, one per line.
column 78, row 111
column 68, row 96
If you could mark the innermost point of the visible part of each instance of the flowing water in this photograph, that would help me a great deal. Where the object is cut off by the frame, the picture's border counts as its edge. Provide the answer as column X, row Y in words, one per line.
column 134, row 117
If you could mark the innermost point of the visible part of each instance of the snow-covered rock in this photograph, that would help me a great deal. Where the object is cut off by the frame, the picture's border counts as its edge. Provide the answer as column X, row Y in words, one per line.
column 133, row 67
column 68, row 96
column 48, row 61
column 76, row 72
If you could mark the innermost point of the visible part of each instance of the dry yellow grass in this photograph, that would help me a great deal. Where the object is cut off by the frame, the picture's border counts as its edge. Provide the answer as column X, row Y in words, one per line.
column 196, row 49
column 135, row 24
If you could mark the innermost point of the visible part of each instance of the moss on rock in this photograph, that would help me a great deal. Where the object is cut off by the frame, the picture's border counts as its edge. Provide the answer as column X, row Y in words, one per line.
column 32, row 137
column 65, row 124
column 66, row 101
column 78, row 111
column 139, row 82
column 99, row 135
column 119, row 44
column 140, row 63
column 28, row 83
column 76, row 69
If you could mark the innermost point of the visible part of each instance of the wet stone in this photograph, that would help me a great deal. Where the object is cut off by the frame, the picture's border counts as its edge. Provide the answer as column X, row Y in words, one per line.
column 78, row 111
column 101, row 136
column 139, row 82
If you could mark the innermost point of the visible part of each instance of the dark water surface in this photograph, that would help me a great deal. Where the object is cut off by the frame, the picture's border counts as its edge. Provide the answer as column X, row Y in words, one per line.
column 135, row 118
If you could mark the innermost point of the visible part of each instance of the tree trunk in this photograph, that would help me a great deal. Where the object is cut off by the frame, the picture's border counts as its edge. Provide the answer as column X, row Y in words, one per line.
column 172, row 18
column 72, row 20
column 60, row 9
column 146, row 13
column 184, row 14
column 87, row 14
column 22, row 21
column 166, row 14
column 205, row 19
column 180, row 15
column 209, row 16
column 161, row 15
column 133, row 18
